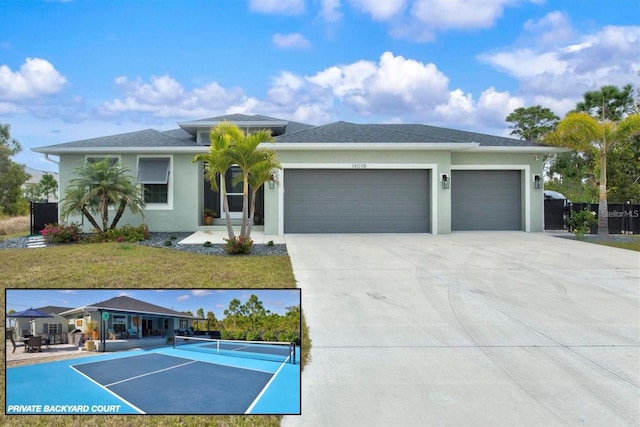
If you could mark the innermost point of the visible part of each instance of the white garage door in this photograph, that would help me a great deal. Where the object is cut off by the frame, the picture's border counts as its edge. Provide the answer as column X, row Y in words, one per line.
column 486, row 200
column 356, row 201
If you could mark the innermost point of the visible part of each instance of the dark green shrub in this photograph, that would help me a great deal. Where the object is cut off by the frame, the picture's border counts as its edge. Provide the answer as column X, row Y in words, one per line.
column 238, row 246
column 60, row 233
column 581, row 222
column 239, row 335
column 253, row 336
column 269, row 336
column 226, row 335
column 127, row 233
column 287, row 336
column 207, row 244
column 270, row 243
column 168, row 242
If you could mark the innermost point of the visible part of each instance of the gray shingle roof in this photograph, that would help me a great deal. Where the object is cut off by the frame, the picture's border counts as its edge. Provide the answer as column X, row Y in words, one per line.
column 345, row 132
column 128, row 304
column 142, row 138
column 337, row 132
column 53, row 309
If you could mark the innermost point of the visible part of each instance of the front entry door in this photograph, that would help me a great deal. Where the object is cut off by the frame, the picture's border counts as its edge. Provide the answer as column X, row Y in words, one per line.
column 234, row 192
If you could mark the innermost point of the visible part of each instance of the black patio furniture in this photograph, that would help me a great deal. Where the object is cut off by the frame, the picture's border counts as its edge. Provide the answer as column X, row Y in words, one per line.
column 34, row 344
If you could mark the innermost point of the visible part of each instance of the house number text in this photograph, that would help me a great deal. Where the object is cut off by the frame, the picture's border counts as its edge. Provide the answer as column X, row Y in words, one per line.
column 358, row 165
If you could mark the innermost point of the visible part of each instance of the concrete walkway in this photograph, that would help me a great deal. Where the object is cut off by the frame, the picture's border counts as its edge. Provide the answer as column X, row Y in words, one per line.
column 468, row 329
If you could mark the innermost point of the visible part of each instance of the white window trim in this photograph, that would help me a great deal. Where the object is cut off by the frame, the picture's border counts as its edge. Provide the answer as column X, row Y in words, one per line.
column 159, row 206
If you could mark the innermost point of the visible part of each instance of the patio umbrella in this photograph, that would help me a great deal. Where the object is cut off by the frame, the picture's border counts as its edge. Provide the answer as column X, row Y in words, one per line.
column 31, row 313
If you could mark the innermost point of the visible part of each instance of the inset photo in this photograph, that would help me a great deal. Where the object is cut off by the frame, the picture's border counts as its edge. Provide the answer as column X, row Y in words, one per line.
column 153, row 351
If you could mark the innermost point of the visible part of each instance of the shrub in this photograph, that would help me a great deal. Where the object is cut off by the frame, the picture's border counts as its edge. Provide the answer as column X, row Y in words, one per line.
column 582, row 222
column 253, row 336
column 226, row 335
column 270, row 243
column 238, row 246
column 287, row 336
column 207, row 244
column 269, row 336
column 168, row 242
column 61, row 233
column 238, row 335
column 127, row 233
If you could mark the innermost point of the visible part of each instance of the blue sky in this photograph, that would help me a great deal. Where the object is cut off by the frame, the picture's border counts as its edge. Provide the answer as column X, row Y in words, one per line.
column 216, row 300
column 75, row 69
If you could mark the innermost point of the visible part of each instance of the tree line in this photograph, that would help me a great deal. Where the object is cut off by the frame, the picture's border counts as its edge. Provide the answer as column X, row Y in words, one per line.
column 250, row 321
column 602, row 134
column 14, row 201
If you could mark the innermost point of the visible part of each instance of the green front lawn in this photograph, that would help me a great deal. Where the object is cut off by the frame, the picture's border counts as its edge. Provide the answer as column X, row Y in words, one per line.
column 117, row 265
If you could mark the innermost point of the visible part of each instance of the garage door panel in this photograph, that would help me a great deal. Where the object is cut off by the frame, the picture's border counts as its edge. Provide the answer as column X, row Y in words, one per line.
column 356, row 201
column 486, row 200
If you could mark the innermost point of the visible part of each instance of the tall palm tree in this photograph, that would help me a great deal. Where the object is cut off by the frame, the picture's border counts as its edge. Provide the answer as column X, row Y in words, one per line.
column 231, row 146
column 97, row 186
column 244, row 153
column 582, row 132
column 260, row 173
column 217, row 163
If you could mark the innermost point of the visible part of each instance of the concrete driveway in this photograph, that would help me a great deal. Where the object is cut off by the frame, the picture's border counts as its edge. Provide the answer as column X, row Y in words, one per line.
column 474, row 328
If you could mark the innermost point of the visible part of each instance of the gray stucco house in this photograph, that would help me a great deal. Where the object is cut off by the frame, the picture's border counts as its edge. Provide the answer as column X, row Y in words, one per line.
column 336, row 178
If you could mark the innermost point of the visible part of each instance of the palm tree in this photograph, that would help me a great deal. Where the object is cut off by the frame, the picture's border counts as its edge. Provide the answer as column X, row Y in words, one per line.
column 244, row 153
column 582, row 132
column 261, row 172
column 217, row 163
column 231, row 146
column 98, row 186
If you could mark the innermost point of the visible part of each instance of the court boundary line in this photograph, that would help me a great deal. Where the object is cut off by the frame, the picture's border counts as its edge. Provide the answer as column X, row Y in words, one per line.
column 117, row 396
column 264, row 389
column 151, row 373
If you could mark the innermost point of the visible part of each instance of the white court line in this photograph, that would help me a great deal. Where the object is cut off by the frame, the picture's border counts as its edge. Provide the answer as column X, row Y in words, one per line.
column 151, row 373
column 264, row 390
column 107, row 390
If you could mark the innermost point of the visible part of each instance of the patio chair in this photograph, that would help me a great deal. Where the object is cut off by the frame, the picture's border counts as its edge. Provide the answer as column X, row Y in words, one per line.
column 34, row 344
column 47, row 342
column 132, row 332
column 13, row 343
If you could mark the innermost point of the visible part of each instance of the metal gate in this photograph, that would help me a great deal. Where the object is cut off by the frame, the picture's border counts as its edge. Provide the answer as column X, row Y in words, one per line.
column 43, row 214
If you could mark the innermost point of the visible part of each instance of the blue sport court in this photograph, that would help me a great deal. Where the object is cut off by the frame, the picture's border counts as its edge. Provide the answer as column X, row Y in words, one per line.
column 196, row 376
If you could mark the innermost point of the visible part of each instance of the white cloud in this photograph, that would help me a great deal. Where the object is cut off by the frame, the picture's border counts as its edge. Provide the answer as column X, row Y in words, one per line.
column 201, row 292
column 553, row 29
column 281, row 7
column 462, row 14
column 330, row 10
column 560, row 74
column 183, row 297
column 379, row 10
column 36, row 77
column 290, row 41
column 393, row 84
column 165, row 97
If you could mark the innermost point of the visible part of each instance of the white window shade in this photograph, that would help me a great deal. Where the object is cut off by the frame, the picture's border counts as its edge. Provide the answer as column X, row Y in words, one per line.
column 153, row 171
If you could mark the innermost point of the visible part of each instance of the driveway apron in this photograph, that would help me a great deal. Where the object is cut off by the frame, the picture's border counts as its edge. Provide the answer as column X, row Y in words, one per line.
column 471, row 328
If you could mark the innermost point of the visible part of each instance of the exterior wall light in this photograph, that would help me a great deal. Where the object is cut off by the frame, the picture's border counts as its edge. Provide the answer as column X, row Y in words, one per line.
column 537, row 182
column 444, row 179
column 272, row 180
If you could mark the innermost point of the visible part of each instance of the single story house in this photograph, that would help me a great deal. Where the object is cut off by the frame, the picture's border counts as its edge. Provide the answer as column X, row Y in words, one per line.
column 335, row 178
column 128, row 318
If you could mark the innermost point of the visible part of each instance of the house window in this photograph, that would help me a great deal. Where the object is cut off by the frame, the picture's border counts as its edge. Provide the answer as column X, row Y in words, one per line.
column 119, row 324
column 112, row 160
column 153, row 174
column 166, row 324
column 53, row 328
